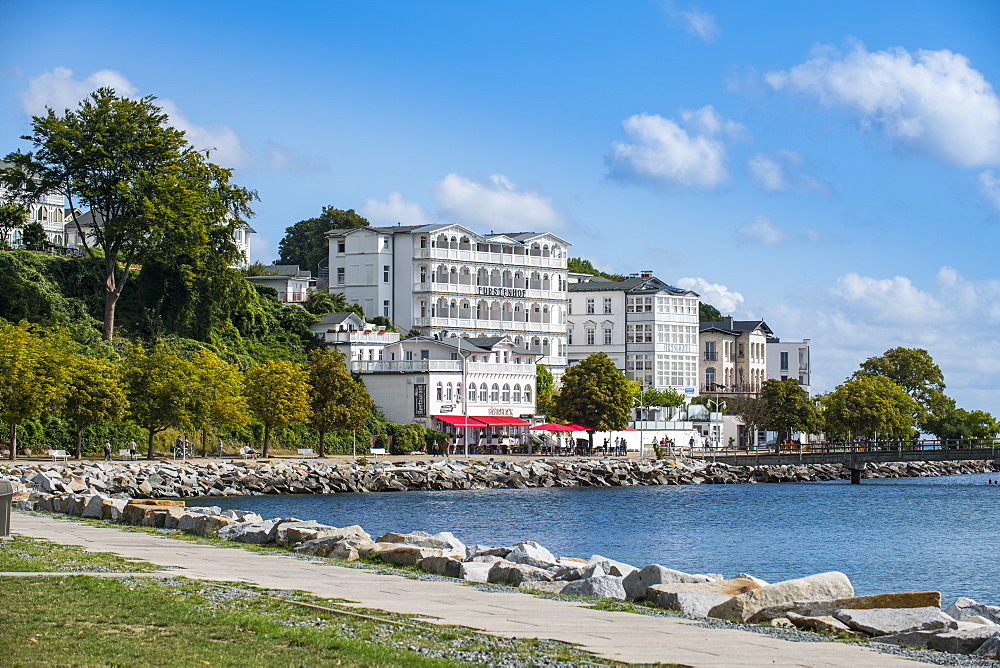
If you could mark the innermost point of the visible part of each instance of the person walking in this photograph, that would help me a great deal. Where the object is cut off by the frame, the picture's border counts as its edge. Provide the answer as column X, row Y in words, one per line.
column 107, row 451
column 131, row 448
column 218, row 449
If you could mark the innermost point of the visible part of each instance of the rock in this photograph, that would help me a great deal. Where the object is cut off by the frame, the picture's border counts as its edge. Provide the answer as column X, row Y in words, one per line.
column 822, row 624
column 746, row 576
column 549, row 587
column 612, row 567
column 508, row 572
column 443, row 565
column 918, row 599
column 637, row 582
column 727, row 588
column 392, row 537
column 976, row 619
column 206, row 525
column 690, row 603
column 95, row 506
column 402, row 554
column 483, row 551
column 891, row 621
column 477, row 571
column 447, row 542
column 989, row 649
column 531, row 553
column 598, row 586
column 822, row 586
column 293, row 533
column 966, row 607
column 252, row 533
column 962, row 641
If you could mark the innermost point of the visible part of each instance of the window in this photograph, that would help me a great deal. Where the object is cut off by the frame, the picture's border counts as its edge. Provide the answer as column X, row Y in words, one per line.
column 710, row 378
column 639, row 333
column 408, row 356
column 495, row 394
column 341, row 245
column 482, row 393
column 569, row 336
column 607, row 336
column 425, row 354
column 385, row 273
column 505, row 396
column 448, row 392
column 423, row 308
column 784, row 360
column 340, row 275
column 453, row 356
column 639, row 305
column 423, row 242
column 569, row 307
column 607, row 304
column 385, row 308
column 590, row 305
column 710, row 355
column 590, row 336
column 527, row 394
column 517, row 394
column 440, row 392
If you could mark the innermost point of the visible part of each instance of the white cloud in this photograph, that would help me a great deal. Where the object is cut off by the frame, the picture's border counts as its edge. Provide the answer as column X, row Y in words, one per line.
column 989, row 186
column 496, row 203
column 226, row 147
column 697, row 23
column 662, row 152
column 716, row 294
column 767, row 172
column 932, row 102
column 286, row 160
column 394, row 210
column 763, row 231
column 888, row 300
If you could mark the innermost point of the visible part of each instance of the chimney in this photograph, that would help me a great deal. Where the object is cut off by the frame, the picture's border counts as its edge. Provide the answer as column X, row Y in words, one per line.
column 646, row 273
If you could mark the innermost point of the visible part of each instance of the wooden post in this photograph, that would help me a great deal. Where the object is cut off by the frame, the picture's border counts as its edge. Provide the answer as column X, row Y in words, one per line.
column 856, row 476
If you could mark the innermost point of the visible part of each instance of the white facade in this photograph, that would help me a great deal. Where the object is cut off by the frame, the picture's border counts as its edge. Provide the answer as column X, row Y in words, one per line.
column 357, row 339
column 293, row 284
column 649, row 329
column 446, row 281
column 790, row 359
column 733, row 356
column 423, row 380
column 49, row 211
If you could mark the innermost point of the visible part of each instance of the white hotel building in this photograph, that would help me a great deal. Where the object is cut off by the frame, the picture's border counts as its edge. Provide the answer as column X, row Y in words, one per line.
column 447, row 281
column 649, row 329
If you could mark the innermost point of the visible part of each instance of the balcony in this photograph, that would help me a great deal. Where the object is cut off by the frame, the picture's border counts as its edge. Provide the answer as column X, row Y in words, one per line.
column 482, row 257
column 489, row 292
column 405, row 366
column 375, row 338
column 498, row 325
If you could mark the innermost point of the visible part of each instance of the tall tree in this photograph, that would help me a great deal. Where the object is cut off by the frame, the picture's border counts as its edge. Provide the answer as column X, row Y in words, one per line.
column 754, row 412
column 161, row 390
column 94, row 392
column 339, row 402
column 144, row 185
column 914, row 370
column 12, row 216
column 789, row 408
column 34, row 237
column 595, row 394
column 708, row 313
column 218, row 400
column 278, row 396
column 305, row 242
column 870, row 407
column 663, row 398
column 951, row 422
column 544, row 391
column 32, row 376
column 579, row 265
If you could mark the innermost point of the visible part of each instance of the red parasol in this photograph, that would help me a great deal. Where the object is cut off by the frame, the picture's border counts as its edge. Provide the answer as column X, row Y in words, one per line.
column 552, row 426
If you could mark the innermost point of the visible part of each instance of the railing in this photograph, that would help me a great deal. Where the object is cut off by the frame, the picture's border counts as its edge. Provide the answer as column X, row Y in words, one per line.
column 444, row 287
column 405, row 366
column 511, row 259
column 496, row 367
column 361, row 337
column 719, row 388
column 502, row 325
column 711, row 356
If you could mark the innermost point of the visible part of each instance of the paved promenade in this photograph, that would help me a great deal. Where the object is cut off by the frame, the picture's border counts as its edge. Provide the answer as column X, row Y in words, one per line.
column 615, row 635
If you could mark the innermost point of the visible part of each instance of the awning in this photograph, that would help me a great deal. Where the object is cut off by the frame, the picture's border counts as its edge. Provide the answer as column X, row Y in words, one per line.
column 460, row 421
column 501, row 421
column 579, row 427
column 551, row 426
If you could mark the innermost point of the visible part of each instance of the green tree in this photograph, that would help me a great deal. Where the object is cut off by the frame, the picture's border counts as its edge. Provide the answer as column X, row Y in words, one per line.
column 305, row 242
column 150, row 192
column 12, row 216
column 754, row 412
column 94, row 393
column 949, row 422
column 34, row 237
column 708, row 313
column 789, row 408
column 579, row 265
column 665, row 398
column 218, row 400
column 544, row 395
column 161, row 390
column 32, row 376
column 595, row 394
column 339, row 402
column 869, row 407
column 914, row 370
column 278, row 396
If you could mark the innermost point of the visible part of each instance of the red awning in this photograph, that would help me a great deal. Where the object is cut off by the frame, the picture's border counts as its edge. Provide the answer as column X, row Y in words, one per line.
column 501, row 421
column 460, row 421
column 579, row 427
column 551, row 426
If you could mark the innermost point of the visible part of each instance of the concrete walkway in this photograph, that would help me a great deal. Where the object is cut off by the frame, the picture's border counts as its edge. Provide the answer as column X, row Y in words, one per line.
column 616, row 635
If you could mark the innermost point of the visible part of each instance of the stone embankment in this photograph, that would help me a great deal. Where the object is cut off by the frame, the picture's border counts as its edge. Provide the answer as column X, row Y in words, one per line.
column 169, row 479
column 822, row 603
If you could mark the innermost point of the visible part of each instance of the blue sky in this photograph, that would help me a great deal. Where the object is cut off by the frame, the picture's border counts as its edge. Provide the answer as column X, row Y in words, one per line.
column 832, row 169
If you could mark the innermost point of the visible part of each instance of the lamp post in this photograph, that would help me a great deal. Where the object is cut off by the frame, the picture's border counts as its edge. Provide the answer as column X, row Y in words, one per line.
column 717, row 432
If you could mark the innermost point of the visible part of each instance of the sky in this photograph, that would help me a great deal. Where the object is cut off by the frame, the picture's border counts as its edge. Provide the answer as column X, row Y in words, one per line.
column 830, row 168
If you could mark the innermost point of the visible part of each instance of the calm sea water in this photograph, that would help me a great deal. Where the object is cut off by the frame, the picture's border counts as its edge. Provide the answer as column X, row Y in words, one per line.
column 901, row 534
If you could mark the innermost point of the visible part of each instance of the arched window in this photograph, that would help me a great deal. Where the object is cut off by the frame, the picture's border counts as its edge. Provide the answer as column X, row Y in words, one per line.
column 482, row 393
column 472, row 391
column 517, row 394
column 495, row 394
column 449, row 392
column 505, row 395
column 423, row 242
column 710, row 378
column 527, row 394
column 440, row 392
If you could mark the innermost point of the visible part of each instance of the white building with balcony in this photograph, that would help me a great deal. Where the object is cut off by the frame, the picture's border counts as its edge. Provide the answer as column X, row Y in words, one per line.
column 358, row 340
column 47, row 210
column 790, row 359
column 424, row 381
column 293, row 284
column 447, row 281
column 733, row 356
column 649, row 329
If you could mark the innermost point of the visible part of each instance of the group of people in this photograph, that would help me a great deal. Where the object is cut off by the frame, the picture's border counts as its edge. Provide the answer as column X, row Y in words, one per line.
column 619, row 448
column 107, row 450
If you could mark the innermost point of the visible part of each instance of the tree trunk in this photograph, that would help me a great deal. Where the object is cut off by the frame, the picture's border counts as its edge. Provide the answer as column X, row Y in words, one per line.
column 13, row 441
column 267, row 439
column 322, row 445
column 79, row 442
column 149, row 444
column 204, row 448
column 110, row 302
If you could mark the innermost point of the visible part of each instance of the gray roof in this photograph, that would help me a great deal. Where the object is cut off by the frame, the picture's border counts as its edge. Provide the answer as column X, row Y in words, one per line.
column 482, row 344
column 338, row 317
column 650, row 284
column 729, row 326
column 520, row 237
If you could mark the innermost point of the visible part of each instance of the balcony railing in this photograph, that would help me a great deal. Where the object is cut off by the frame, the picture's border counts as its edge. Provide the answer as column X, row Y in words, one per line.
column 711, row 356
column 488, row 292
column 511, row 259
column 361, row 337
column 500, row 325
column 405, row 366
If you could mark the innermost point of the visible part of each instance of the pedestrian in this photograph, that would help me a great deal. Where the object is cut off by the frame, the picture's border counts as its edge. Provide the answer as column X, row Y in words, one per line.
column 219, row 449
column 131, row 448
column 107, row 451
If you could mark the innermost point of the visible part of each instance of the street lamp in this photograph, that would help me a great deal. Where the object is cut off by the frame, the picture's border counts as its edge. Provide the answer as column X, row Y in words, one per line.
column 717, row 431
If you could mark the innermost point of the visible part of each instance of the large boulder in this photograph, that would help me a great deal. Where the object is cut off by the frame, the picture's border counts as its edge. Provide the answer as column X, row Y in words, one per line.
column 206, row 525
column 612, row 567
column 447, row 542
column 822, row 586
column 962, row 640
column 95, row 506
column 443, row 565
column 891, row 621
column 989, row 649
column 963, row 608
column 477, row 571
column 531, row 553
column 510, row 573
column 252, row 533
column 403, row 554
column 690, row 603
column 293, row 533
column 637, row 582
column 919, row 599
column 821, row 624
column 599, row 586
column 343, row 544
column 413, row 537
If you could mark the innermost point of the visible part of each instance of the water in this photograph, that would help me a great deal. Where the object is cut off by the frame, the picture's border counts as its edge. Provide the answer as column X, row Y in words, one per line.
column 900, row 534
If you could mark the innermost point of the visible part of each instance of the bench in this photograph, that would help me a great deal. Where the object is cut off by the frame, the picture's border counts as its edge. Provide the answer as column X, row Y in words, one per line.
column 125, row 452
column 307, row 452
column 59, row 454
column 375, row 452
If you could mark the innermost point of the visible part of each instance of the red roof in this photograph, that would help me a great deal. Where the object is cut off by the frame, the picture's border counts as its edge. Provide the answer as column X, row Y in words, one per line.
column 460, row 421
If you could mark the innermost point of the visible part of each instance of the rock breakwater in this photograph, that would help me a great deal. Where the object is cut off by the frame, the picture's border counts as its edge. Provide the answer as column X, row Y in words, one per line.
column 168, row 479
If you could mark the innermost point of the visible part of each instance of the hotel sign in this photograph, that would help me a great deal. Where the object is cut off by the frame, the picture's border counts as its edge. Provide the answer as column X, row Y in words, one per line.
column 501, row 292
column 504, row 412
column 420, row 400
